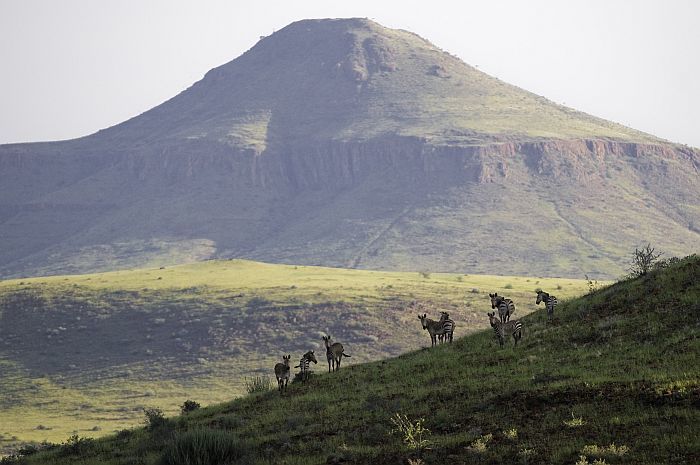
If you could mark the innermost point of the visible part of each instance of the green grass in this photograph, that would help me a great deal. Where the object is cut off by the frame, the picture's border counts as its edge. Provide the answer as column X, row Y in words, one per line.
column 622, row 362
column 86, row 354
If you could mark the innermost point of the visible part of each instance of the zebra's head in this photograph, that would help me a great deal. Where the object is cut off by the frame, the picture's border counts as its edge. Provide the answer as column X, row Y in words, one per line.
column 310, row 356
column 286, row 359
column 541, row 296
column 444, row 316
column 495, row 299
column 493, row 319
column 327, row 340
column 423, row 320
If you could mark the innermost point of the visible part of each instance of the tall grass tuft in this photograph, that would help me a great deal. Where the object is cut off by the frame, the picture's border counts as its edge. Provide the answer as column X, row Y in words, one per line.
column 258, row 384
column 204, row 447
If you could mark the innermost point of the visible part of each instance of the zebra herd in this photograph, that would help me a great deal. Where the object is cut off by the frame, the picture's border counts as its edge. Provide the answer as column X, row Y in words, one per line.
column 443, row 329
column 440, row 331
column 334, row 354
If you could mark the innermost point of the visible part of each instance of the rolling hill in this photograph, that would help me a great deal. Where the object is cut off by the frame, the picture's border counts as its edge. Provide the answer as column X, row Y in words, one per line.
column 85, row 354
column 345, row 143
column 614, row 380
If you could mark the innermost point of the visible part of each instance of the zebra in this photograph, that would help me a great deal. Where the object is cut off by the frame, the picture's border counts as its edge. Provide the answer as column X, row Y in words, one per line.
column 550, row 302
column 334, row 353
column 434, row 328
column 505, row 306
column 306, row 359
column 282, row 373
column 448, row 327
column 513, row 327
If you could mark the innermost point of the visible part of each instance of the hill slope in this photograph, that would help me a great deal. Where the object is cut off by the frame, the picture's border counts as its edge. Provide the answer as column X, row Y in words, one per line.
column 101, row 347
column 620, row 368
column 344, row 143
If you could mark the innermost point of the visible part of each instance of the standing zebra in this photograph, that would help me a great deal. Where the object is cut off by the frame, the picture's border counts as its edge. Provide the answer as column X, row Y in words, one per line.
column 334, row 353
column 550, row 302
column 448, row 327
column 282, row 373
column 433, row 327
column 502, row 329
column 306, row 359
column 506, row 307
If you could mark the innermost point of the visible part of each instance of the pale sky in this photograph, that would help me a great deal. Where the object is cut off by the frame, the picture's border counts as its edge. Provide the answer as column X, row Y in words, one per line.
column 69, row 68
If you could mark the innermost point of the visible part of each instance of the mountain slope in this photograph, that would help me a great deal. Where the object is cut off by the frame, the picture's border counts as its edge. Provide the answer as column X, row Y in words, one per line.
column 87, row 353
column 344, row 143
column 618, row 367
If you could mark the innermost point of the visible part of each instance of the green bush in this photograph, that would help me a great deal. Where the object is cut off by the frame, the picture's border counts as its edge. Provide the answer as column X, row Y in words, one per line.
column 189, row 406
column 154, row 418
column 75, row 445
column 204, row 447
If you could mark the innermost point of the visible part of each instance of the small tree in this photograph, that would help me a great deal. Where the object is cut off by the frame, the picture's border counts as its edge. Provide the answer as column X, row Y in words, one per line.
column 189, row 406
column 643, row 261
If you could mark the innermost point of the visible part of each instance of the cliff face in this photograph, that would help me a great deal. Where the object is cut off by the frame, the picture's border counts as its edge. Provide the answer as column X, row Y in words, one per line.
column 339, row 142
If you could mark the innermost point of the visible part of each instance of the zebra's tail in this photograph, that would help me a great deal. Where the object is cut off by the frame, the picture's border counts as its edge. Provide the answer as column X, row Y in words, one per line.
column 345, row 355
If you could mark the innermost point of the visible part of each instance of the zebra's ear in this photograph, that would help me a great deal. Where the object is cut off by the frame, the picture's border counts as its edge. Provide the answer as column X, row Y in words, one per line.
column 312, row 351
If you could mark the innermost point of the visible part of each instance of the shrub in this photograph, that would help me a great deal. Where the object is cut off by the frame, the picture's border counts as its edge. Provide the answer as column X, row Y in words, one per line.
column 424, row 274
column 154, row 418
column 204, row 447
column 602, row 451
column 189, row 406
column 258, row 384
column 479, row 445
column 75, row 445
column 414, row 435
column 508, row 286
column 592, row 284
column 643, row 261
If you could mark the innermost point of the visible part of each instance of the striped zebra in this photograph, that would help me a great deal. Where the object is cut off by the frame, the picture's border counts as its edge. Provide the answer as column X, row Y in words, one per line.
column 282, row 373
column 506, row 307
column 334, row 353
column 550, row 302
column 304, row 363
column 434, row 328
column 448, row 327
column 513, row 327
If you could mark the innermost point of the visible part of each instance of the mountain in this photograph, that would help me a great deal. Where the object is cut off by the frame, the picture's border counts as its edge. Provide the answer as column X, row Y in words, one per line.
column 613, row 380
column 344, row 143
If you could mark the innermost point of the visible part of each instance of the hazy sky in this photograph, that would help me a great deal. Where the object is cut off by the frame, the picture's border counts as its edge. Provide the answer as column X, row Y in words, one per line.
column 71, row 67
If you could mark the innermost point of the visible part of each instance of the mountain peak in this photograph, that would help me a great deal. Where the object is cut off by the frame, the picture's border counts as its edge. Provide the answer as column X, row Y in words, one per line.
column 354, row 79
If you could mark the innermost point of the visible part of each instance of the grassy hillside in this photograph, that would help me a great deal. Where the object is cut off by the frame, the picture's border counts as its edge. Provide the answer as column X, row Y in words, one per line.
column 85, row 354
column 614, row 379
